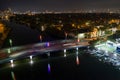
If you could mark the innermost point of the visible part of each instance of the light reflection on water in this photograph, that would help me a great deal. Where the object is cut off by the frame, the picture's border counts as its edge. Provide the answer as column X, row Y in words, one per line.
column 13, row 75
column 65, row 55
column 31, row 62
column 49, row 68
column 46, row 66
column 77, row 58
column 12, row 65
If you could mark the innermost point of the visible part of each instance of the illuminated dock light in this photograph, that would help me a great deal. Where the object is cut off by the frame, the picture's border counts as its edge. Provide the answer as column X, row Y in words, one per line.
column 115, row 55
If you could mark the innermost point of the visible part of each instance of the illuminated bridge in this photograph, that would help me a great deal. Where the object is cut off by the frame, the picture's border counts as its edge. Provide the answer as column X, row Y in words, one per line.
column 13, row 53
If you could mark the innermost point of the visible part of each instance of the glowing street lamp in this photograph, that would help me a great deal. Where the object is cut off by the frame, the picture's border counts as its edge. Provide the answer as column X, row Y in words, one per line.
column 31, row 59
column 12, row 63
column 66, row 34
column 40, row 38
column 10, row 41
column 65, row 53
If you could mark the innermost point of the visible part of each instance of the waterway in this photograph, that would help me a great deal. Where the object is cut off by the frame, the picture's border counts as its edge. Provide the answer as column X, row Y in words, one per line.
column 23, row 35
column 57, row 67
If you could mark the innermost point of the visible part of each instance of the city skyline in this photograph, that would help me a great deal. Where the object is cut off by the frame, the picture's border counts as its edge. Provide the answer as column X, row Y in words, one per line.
column 59, row 5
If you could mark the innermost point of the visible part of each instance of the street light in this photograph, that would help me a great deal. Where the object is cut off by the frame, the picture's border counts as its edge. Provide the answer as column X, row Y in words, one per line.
column 10, row 41
column 65, row 53
column 77, row 60
column 40, row 38
column 65, row 35
column 12, row 63
column 31, row 59
column 9, row 51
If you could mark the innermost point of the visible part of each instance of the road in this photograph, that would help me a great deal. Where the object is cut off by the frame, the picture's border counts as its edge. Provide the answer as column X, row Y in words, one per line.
column 39, row 48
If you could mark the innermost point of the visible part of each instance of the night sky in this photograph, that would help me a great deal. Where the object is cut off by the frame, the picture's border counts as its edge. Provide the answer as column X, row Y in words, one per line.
column 58, row 5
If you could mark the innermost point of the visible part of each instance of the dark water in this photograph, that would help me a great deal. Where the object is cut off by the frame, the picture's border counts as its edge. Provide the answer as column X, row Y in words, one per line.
column 23, row 35
column 81, row 67
column 60, row 68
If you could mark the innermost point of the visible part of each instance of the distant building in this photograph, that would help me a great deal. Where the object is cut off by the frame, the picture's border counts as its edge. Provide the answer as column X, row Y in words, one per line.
column 93, row 34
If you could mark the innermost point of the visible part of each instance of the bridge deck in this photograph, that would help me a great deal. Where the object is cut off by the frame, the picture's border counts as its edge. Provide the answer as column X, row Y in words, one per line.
column 39, row 48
